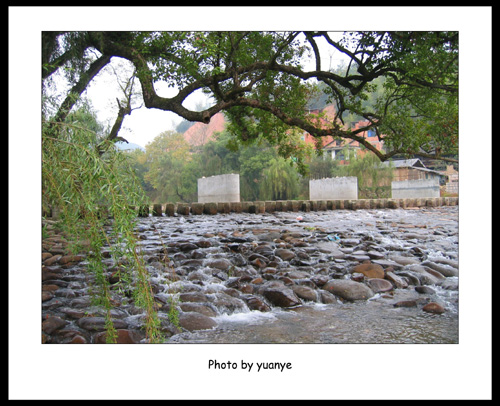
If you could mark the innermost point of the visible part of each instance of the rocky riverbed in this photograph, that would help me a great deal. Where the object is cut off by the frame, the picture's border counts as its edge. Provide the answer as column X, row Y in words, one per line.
column 343, row 276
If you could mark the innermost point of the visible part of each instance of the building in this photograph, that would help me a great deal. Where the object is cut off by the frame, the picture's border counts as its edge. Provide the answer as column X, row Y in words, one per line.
column 342, row 149
column 413, row 169
column 451, row 186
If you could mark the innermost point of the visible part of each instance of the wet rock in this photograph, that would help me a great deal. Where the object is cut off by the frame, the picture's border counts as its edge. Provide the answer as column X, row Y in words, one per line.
column 411, row 277
column 298, row 242
column 52, row 260
column 47, row 295
column 297, row 275
column 225, row 302
column 425, row 277
column 246, row 288
column 254, row 256
column 284, row 254
column 46, row 255
column 203, row 243
column 350, row 242
column 220, row 263
column 187, row 246
column 357, row 276
column 379, row 285
column 449, row 284
column 396, row 280
column 198, row 307
column 434, row 308
column 122, row 337
column 197, row 297
column 73, row 313
column 99, row 323
column 305, row 293
column 387, row 263
column 375, row 254
column 198, row 254
column 66, row 259
column 78, row 339
column 81, row 302
column 331, row 248
column 267, row 235
column 254, row 303
column 64, row 292
column 406, row 303
column 193, row 321
column 257, row 281
column 286, row 280
column 348, row 289
column 53, row 323
column 327, row 297
column 319, row 280
column 370, row 270
column 259, row 262
column 279, row 295
column 264, row 249
column 233, row 282
column 404, row 260
column 358, row 257
column 446, row 261
column 238, row 260
column 439, row 276
column 424, row 290
column 445, row 270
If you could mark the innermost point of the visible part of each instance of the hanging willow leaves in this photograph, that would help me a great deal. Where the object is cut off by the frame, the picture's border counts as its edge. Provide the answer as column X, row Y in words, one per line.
column 95, row 194
column 280, row 181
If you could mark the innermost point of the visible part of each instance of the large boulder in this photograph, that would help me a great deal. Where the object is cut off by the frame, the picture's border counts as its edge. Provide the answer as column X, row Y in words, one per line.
column 348, row 289
column 444, row 269
column 305, row 293
column 370, row 270
column 379, row 285
column 280, row 295
column 193, row 321
column 434, row 308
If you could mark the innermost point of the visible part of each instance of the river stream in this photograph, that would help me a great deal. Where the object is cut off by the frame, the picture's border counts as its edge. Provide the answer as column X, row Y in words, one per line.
column 271, row 277
column 430, row 233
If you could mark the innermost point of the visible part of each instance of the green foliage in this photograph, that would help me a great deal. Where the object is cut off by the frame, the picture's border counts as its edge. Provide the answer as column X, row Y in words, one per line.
column 172, row 169
column 167, row 158
column 374, row 179
column 280, row 181
column 321, row 167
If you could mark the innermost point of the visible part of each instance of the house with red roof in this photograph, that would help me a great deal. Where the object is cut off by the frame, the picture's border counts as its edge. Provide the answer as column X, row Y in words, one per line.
column 337, row 148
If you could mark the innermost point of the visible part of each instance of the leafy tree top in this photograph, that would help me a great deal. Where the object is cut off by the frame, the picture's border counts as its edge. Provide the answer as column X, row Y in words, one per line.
column 259, row 80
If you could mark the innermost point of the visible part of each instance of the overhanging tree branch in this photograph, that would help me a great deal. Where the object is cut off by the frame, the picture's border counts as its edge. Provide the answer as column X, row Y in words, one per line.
column 239, row 71
column 80, row 86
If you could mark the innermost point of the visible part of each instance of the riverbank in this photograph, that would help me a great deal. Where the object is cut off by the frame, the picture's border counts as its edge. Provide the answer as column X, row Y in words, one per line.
column 396, row 264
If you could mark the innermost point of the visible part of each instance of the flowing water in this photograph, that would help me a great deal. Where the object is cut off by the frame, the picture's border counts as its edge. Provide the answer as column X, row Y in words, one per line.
column 371, row 322
column 237, row 278
column 430, row 232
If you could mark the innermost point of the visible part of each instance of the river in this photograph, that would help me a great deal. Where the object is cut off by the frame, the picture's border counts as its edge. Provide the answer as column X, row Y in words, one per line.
column 424, row 234
column 271, row 278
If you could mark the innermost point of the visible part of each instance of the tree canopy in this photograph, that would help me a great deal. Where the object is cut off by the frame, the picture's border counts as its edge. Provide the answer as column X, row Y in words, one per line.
column 260, row 81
